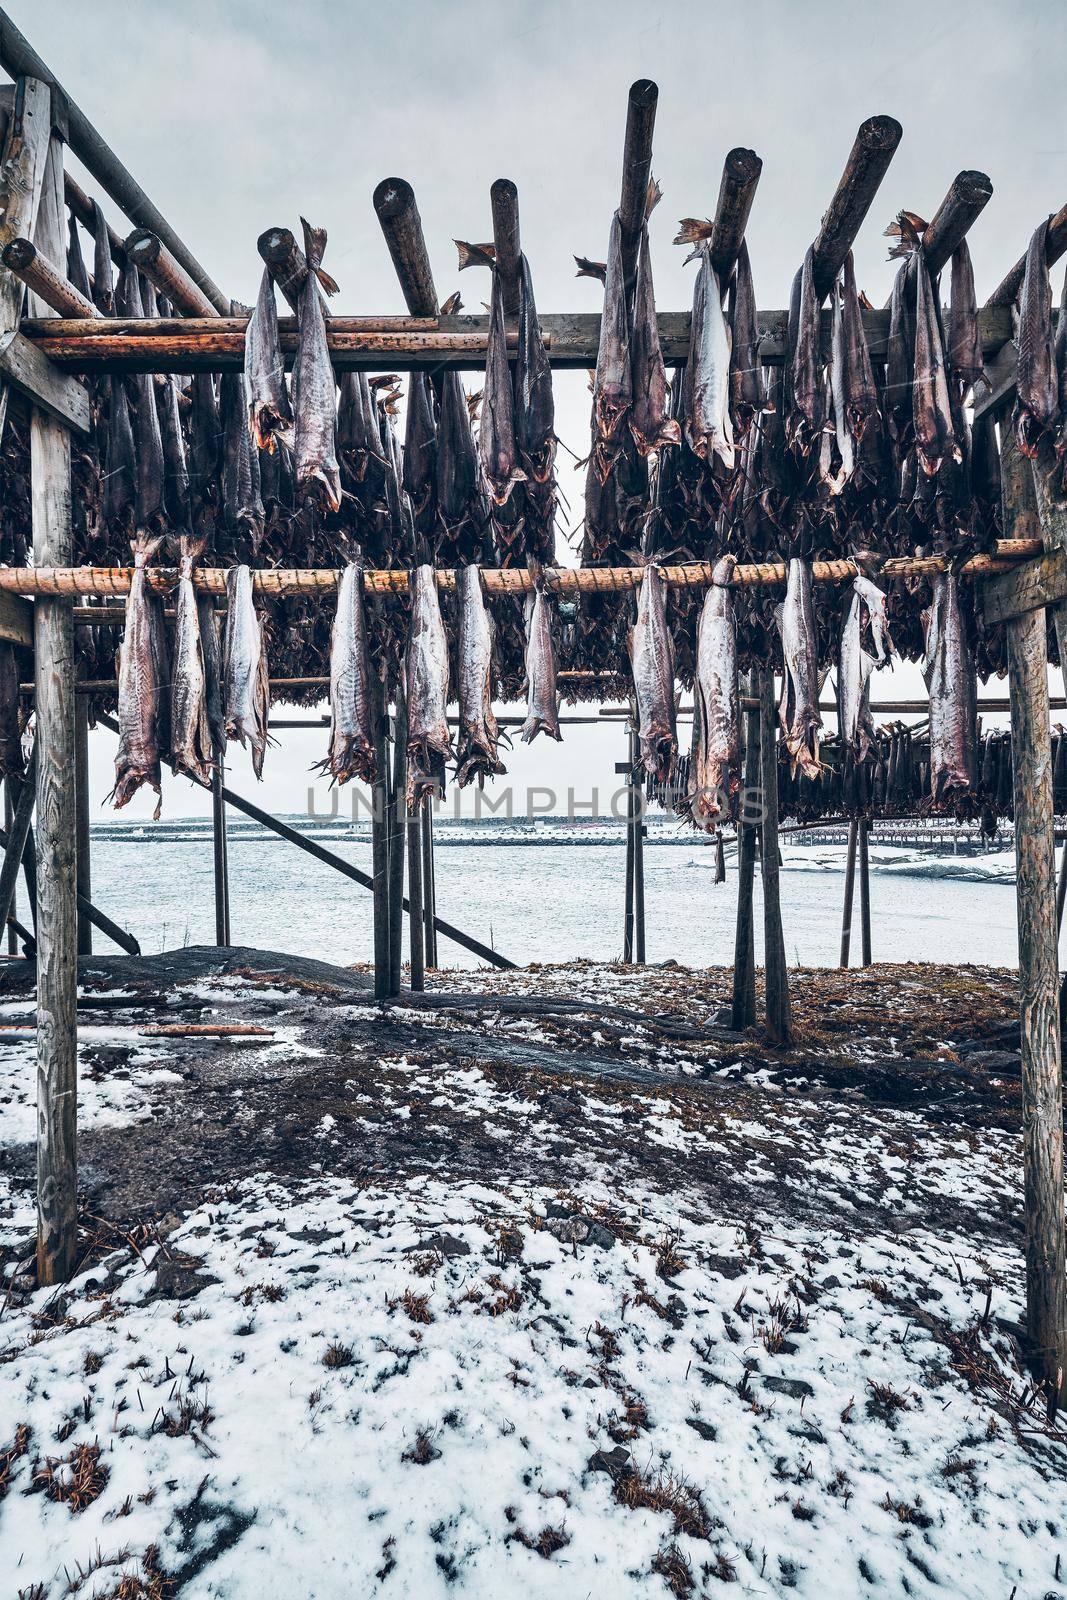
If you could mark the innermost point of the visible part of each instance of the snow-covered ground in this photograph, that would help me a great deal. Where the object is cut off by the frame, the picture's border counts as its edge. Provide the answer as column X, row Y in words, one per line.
column 701, row 1326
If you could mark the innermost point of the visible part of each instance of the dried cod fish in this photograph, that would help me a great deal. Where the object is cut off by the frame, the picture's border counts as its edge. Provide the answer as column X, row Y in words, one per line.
column 1037, row 388
column 707, row 375
column 190, row 738
column 497, row 449
column 613, row 382
column 746, row 375
column 535, row 417
column 715, row 763
column 804, row 423
column 855, row 665
column 270, row 410
column 315, row 434
column 798, row 710
column 651, row 423
column 246, row 686
column 351, row 753
column 652, row 661
column 964, row 339
column 542, row 704
column 138, row 757
column 935, row 436
column 948, row 667
column 478, row 733
column 426, row 681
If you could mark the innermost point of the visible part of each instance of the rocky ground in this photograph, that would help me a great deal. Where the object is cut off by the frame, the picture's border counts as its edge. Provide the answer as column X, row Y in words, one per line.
column 545, row 1282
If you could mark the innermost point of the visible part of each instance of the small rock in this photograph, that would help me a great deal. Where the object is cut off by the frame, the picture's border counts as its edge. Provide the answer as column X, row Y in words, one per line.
column 706, row 1430
column 616, row 1463
column 446, row 1244
column 179, row 1280
column 795, row 1388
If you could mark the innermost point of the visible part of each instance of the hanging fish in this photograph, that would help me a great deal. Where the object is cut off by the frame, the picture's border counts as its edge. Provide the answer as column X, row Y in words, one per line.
column 613, row 381
column 1037, row 388
column 842, row 432
column 746, row 376
column 714, row 771
column 358, row 439
column 351, row 753
column 900, row 359
column 862, row 402
column 120, row 476
column 211, row 650
column 315, row 435
column 651, row 423
column 246, row 688
column 270, row 411
column 457, row 487
column 652, row 661
column 805, row 419
column 708, row 426
column 935, row 438
column 426, row 681
column 148, row 509
column 420, row 452
column 855, row 665
column 964, row 339
column 1057, row 483
column 190, row 736
column 242, row 504
column 478, row 733
column 137, row 761
column 497, row 449
column 798, row 710
column 204, row 451
column 948, row 667
column 542, row 704
column 535, row 418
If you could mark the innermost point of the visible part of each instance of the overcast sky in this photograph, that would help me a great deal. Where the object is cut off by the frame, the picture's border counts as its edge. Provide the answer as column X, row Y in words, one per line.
column 242, row 114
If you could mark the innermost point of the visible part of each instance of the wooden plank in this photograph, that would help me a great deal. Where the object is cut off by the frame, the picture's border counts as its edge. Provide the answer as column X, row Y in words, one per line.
column 16, row 621
column 24, row 366
column 22, row 170
column 57, row 919
column 1046, row 1282
column 1030, row 587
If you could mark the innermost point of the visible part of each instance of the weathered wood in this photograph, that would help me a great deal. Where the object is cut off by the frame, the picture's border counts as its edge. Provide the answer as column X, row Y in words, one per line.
column 398, row 214
column 504, row 202
column 397, row 835
column 639, row 857
column 1046, row 1283
column 285, row 261
column 416, row 952
column 429, row 888
column 968, row 195
column 219, row 852
column 850, row 885
column 57, row 917
column 626, row 768
column 9, row 815
column 81, row 795
column 380, row 799
column 775, row 971
column 16, row 620
column 148, row 252
column 24, row 367
column 419, row 342
column 19, row 59
column 1030, row 587
column 22, row 169
column 1000, row 374
column 875, row 144
column 23, row 258
column 1005, row 292
column 743, row 1009
column 17, row 833
column 865, row 893
column 81, row 206
column 740, row 178
column 115, row 581
column 636, row 169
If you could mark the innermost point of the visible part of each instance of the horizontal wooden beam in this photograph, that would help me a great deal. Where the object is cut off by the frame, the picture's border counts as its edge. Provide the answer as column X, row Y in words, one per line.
column 48, row 281
column 28, row 369
column 16, row 620
column 69, row 582
column 195, row 344
column 1029, row 587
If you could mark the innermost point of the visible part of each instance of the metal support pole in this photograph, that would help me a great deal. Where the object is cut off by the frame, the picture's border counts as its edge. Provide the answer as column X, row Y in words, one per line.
column 380, row 848
column 639, row 859
column 744, row 989
column 81, row 794
column 850, row 883
column 9, row 813
column 397, row 832
column 220, row 851
column 429, row 886
column 413, row 830
column 775, row 972
column 865, row 894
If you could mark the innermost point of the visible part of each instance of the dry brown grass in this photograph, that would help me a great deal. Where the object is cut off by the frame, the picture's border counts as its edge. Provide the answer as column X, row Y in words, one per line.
column 75, row 1480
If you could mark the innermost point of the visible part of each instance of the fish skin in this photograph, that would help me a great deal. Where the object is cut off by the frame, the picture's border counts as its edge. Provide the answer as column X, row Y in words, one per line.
column 862, row 389
column 478, row 733
column 497, row 451
column 315, row 432
column 651, row 651
column 358, row 440
column 175, row 463
column 807, row 412
column 457, row 490
column 270, row 410
column 900, row 359
column 352, row 752
column 137, row 760
column 120, row 475
column 798, row 709
column 12, row 759
column 535, row 415
column 855, row 665
column 964, row 339
column 204, row 452
column 190, row 746
column 148, row 508
column 1037, row 402
column 613, row 380
column 707, row 424
column 746, row 375
column 836, row 481
column 651, row 423
column 420, row 451
column 935, row 437
column 211, row 650
column 948, row 667
column 244, row 670
column 542, row 702
column 242, row 505
column 426, row 679
column 714, row 774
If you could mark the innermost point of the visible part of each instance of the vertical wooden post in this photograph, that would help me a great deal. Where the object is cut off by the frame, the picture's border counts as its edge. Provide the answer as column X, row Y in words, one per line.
column 625, row 768
column 9, row 815
column 397, row 830
column 380, row 846
column 865, row 894
column 81, row 794
column 743, row 1012
column 429, row 887
column 639, row 859
column 775, row 972
column 1046, row 1283
column 1061, row 888
column 57, row 918
column 220, row 850
column 850, row 883
column 413, row 829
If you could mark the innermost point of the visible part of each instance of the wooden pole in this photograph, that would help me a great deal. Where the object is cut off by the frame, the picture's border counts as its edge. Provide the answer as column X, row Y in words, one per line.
column 417, row 960
column 967, row 197
column 743, row 1010
column 1046, row 1283
column 47, row 281
column 18, row 832
column 285, row 261
column 81, row 795
column 380, row 849
column 394, row 202
column 57, row 918
column 1005, row 292
column 429, row 886
column 865, row 894
column 81, row 207
column 151, row 256
column 628, row 901
column 775, row 972
column 9, row 813
column 220, row 851
column 504, row 201
column 868, row 161
column 636, row 170
column 740, row 177
column 397, row 833
column 850, row 883
column 639, row 855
